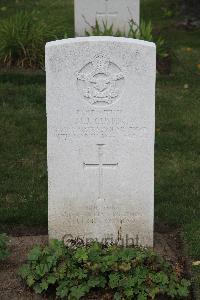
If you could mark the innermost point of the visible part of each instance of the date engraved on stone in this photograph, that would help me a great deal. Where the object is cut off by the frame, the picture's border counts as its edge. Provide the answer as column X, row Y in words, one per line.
column 100, row 81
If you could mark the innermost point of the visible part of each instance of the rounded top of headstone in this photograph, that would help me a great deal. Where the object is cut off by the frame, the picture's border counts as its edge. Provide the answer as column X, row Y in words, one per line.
column 100, row 39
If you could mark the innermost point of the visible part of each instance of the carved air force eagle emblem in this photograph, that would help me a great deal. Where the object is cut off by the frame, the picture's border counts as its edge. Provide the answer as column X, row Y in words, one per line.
column 100, row 82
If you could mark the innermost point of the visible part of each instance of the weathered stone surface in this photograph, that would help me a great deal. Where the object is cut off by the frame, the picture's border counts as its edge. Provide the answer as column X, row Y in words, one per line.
column 100, row 110
column 116, row 12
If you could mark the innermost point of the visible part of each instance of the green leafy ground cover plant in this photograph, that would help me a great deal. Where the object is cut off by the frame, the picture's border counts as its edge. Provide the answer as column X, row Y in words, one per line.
column 4, row 251
column 127, row 273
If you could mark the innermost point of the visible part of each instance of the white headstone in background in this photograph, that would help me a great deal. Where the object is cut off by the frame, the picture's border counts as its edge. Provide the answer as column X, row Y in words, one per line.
column 116, row 12
column 100, row 110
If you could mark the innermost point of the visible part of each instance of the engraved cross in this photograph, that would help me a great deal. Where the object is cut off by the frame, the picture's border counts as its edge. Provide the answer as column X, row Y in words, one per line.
column 106, row 13
column 101, row 166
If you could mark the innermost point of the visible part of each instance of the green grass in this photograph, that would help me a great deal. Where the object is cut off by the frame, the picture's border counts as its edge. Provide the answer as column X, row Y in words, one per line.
column 57, row 14
column 23, row 184
column 23, row 176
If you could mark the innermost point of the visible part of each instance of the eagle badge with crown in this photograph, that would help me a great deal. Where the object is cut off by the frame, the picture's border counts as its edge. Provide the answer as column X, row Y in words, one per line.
column 100, row 81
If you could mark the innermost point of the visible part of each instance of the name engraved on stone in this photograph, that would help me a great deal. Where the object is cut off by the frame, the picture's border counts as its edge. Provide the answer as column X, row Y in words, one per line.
column 100, row 81
column 102, row 123
column 100, row 165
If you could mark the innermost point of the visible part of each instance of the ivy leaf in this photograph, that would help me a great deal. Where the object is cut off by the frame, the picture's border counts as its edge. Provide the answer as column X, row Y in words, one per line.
column 78, row 291
column 46, row 251
column 44, row 285
column 160, row 277
column 185, row 282
column 51, row 261
column 102, row 281
column 129, row 293
column 125, row 267
column 114, row 280
column 34, row 254
column 37, row 288
column 81, row 254
column 153, row 292
column 24, row 271
column 41, row 269
column 62, row 290
column 117, row 296
column 51, row 279
column 61, row 270
column 99, row 281
column 183, row 289
column 142, row 296
column 30, row 280
column 58, row 248
column 128, row 254
column 172, row 292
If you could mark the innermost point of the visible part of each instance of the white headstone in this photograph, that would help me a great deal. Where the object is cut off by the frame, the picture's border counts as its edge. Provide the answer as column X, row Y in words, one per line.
column 100, row 111
column 116, row 12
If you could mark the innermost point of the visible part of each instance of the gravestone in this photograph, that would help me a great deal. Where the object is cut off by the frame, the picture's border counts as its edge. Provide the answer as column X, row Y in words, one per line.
column 100, row 112
column 116, row 12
